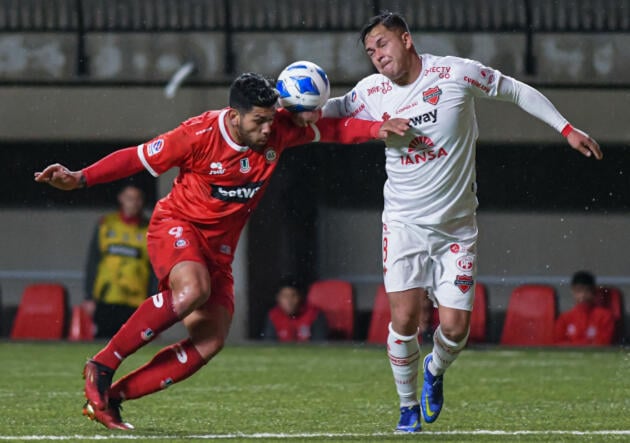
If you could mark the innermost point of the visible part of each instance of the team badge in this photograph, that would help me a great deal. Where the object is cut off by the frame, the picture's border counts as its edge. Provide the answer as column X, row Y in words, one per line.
column 271, row 155
column 432, row 95
column 464, row 282
column 181, row 243
column 245, row 167
column 155, row 147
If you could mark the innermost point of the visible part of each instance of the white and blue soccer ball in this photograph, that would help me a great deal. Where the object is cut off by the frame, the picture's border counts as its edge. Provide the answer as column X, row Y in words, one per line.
column 303, row 86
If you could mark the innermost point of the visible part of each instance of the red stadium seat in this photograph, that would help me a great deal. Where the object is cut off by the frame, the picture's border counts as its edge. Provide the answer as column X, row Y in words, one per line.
column 612, row 298
column 41, row 313
column 81, row 325
column 479, row 315
column 380, row 318
column 334, row 298
column 530, row 316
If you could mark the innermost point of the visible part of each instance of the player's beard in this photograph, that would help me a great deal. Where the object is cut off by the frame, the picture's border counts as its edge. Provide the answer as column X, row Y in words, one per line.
column 250, row 140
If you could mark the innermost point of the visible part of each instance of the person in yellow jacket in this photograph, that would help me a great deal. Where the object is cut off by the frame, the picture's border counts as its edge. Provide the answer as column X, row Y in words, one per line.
column 118, row 273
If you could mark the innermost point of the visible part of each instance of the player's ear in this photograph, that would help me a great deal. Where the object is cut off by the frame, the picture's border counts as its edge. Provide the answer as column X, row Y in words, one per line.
column 234, row 116
column 407, row 40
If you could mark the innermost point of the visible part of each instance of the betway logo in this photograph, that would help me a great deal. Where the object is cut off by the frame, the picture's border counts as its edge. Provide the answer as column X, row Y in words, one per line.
column 236, row 194
column 427, row 117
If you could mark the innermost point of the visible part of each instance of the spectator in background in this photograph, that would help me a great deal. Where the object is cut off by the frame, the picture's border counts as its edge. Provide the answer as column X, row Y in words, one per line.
column 293, row 319
column 118, row 275
column 586, row 323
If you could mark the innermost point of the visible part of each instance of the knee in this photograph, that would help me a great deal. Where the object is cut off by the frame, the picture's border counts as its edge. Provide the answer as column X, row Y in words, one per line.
column 404, row 321
column 189, row 296
column 209, row 347
column 454, row 332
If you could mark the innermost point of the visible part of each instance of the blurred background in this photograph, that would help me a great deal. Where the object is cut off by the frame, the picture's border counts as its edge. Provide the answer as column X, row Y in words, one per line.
column 82, row 78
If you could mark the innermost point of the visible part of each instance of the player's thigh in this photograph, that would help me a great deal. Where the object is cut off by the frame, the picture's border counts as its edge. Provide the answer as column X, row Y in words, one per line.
column 172, row 241
column 208, row 328
column 406, row 260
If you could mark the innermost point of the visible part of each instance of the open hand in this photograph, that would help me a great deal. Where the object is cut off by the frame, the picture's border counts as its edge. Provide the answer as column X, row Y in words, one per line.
column 60, row 177
column 396, row 126
column 581, row 141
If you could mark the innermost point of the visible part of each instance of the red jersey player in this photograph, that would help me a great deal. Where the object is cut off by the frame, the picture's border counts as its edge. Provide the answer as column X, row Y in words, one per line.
column 226, row 158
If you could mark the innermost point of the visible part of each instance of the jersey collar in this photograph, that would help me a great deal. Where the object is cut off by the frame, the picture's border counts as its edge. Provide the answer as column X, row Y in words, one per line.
column 226, row 135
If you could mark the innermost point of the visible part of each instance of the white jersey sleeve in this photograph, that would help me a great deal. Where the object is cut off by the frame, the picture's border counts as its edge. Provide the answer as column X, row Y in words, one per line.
column 531, row 101
column 352, row 104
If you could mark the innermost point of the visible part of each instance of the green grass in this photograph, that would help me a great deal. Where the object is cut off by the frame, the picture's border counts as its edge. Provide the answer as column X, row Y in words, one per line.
column 326, row 389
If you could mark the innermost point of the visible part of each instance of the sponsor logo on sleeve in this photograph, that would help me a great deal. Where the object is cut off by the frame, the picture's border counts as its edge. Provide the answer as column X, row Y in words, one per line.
column 155, row 147
column 432, row 95
column 353, row 96
column 477, row 84
column 464, row 282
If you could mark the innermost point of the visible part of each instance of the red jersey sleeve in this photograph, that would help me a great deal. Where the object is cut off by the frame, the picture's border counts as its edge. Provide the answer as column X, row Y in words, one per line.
column 166, row 151
column 341, row 130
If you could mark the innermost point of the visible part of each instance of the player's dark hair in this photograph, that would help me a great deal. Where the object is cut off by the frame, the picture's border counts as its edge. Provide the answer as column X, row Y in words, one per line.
column 251, row 89
column 583, row 278
column 291, row 281
column 391, row 20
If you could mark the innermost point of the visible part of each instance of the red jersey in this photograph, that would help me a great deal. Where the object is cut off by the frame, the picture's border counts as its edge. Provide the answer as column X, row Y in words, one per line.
column 585, row 324
column 298, row 327
column 220, row 182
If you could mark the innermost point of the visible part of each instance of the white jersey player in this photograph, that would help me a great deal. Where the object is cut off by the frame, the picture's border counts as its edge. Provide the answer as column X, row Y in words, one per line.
column 429, row 227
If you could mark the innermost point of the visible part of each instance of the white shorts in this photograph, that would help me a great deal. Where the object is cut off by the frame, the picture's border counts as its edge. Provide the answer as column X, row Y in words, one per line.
column 438, row 258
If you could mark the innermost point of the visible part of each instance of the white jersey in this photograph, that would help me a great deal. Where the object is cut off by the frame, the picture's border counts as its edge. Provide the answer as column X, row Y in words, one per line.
column 431, row 170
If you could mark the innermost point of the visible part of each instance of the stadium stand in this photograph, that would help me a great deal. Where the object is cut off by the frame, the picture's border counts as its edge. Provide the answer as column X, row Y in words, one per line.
column 41, row 313
column 612, row 298
column 530, row 316
column 81, row 325
column 335, row 299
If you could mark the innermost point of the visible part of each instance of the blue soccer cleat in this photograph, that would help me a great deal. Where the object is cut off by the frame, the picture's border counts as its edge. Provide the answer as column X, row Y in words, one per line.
column 432, row 397
column 409, row 419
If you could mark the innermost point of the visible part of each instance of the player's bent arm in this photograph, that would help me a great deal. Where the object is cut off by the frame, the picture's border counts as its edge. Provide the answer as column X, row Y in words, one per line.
column 535, row 103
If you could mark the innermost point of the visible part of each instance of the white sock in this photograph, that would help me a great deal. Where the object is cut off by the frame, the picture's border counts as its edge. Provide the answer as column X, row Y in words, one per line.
column 444, row 352
column 404, row 355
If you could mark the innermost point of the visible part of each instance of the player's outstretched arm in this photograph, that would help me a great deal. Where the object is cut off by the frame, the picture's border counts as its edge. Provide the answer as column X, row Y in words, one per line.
column 352, row 130
column 117, row 165
column 60, row 177
column 582, row 142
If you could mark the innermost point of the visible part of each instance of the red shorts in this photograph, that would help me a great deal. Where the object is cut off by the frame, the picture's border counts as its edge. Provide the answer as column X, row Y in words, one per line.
column 171, row 241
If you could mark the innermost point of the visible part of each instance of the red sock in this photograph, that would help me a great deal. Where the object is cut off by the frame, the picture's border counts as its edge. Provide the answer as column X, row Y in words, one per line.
column 171, row 365
column 154, row 315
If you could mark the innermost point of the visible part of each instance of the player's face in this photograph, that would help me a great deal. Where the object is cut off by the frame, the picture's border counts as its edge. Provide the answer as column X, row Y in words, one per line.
column 390, row 52
column 288, row 299
column 254, row 127
column 131, row 201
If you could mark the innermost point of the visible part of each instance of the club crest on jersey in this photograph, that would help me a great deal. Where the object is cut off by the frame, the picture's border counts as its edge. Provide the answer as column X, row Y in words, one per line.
column 245, row 167
column 271, row 155
column 464, row 282
column 432, row 95
column 155, row 147
column 181, row 243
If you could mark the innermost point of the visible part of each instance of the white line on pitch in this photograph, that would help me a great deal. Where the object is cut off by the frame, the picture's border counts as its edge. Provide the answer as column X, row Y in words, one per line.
column 255, row 436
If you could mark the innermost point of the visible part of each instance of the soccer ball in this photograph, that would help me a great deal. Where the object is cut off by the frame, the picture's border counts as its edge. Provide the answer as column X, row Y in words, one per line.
column 303, row 86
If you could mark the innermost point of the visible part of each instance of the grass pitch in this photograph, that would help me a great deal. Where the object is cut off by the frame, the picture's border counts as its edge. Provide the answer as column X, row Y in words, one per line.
column 325, row 393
